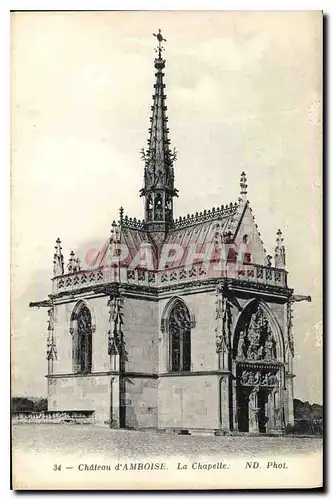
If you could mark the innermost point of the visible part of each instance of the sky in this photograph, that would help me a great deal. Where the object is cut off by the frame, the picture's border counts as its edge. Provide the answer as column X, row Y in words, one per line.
column 243, row 93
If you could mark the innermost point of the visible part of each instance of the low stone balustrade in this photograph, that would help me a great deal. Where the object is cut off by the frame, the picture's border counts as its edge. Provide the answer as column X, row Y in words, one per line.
column 54, row 417
column 166, row 277
column 198, row 272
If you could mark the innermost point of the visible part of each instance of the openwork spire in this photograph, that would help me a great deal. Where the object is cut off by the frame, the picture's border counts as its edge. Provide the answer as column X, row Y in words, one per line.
column 158, row 158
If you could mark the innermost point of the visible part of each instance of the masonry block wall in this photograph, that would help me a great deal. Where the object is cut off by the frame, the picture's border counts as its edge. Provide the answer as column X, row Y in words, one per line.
column 141, row 335
column 91, row 392
column 188, row 401
column 141, row 402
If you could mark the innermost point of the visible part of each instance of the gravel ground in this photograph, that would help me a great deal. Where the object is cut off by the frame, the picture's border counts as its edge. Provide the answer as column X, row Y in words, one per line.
column 87, row 439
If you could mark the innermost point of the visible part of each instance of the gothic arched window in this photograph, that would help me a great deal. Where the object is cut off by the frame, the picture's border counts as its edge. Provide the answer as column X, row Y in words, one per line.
column 82, row 341
column 179, row 328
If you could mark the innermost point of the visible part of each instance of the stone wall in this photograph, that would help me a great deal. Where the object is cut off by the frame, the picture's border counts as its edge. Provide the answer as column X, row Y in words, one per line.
column 188, row 401
column 141, row 402
column 91, row 392
column 141, row 335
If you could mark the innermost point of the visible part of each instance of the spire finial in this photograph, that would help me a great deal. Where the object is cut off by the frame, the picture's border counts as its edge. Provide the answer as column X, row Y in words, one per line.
column 243, row 185
column 279, row 239
column 121, row 215
column 280, row 254
column 160, row 39
column 78, row 264
column 71, row 266
column 58, row 259
column 115, row 233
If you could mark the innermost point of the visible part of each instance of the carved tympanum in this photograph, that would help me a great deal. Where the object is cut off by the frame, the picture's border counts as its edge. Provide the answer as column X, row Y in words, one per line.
column 256, row 341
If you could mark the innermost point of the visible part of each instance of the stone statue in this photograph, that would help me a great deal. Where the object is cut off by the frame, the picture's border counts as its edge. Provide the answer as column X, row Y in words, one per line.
column 265, row 326
column 278, row 379
column 257, row 378
column 254, row 335
column 241, row 346
column 269, row 347
column 265, row 379
column 159, row 177
column 253, row 398
column 252, row 353
column 251, row 379
column 254, row 411
column 261, row 352
column 244, row 377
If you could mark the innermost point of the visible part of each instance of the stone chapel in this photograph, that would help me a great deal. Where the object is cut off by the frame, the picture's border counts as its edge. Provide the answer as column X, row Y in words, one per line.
column 182, row 325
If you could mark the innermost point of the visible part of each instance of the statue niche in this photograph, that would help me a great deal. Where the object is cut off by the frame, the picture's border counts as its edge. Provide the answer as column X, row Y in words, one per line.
column 256, row 340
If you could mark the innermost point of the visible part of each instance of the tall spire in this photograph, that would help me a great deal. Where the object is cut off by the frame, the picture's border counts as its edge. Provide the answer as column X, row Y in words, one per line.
column 159, row 187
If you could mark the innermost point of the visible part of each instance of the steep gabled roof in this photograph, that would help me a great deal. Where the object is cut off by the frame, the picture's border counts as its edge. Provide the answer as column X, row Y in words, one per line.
column 198, row 232
column 133, row 239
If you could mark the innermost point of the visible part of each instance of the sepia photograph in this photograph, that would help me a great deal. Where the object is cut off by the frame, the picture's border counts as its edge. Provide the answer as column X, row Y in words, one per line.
column 166, row 250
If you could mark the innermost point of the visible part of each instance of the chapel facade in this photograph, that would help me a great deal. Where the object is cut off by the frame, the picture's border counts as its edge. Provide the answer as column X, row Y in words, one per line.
column 181, row 324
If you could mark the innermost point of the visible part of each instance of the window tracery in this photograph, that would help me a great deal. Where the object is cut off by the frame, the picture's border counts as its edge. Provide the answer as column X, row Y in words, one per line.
column 179, row 327
column 82, row 340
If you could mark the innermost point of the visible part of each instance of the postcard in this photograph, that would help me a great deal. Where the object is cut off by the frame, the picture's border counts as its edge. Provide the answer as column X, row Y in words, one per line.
column 166, row 250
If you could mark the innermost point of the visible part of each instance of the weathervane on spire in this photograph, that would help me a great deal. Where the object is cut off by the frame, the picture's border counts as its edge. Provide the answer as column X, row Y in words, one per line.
column 160, row 39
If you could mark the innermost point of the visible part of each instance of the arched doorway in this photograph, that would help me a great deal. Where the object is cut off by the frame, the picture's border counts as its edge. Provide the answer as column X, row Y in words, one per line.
column 258, row 367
